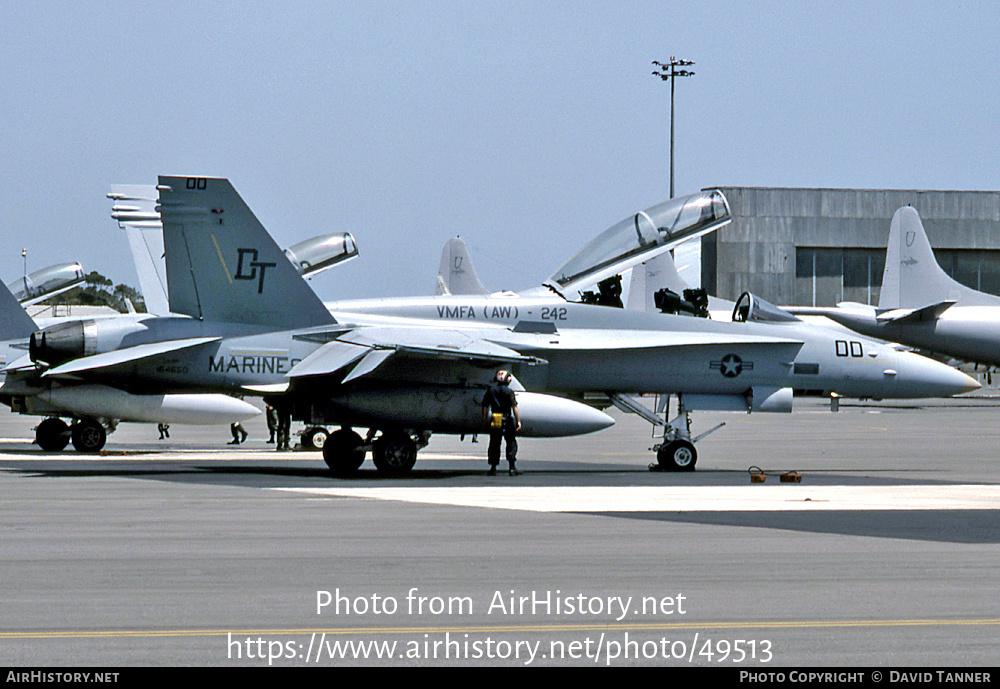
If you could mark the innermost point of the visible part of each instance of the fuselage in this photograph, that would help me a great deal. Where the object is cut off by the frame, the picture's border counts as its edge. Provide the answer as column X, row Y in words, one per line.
column 969, row 333
column 584, row 347
column 601, row 348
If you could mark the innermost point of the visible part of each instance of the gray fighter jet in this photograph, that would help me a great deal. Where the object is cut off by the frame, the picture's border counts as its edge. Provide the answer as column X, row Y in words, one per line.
column 251, row 324
column 920, row 306
column 95, row 410
column 244, row 319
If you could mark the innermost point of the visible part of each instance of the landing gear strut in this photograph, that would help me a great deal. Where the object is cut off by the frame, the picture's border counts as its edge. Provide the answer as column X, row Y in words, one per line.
column 677, row 452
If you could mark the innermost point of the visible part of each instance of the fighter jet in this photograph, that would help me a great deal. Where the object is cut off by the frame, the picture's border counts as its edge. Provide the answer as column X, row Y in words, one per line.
column 95, row 410
column 920, row 306
column 251, row 324
column 247, row 319
column 656, row 287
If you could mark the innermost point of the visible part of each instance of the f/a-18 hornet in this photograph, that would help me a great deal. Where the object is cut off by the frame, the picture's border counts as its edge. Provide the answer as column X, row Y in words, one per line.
column 408, row 369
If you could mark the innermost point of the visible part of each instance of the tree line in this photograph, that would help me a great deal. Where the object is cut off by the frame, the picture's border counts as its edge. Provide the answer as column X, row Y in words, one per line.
column 101, row 291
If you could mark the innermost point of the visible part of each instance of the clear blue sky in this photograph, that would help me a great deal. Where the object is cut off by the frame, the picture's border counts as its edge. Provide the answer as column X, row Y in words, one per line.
column 525, row 128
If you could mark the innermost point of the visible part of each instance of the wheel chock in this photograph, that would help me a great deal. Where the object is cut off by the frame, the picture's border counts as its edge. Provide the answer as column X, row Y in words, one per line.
column 758, row 475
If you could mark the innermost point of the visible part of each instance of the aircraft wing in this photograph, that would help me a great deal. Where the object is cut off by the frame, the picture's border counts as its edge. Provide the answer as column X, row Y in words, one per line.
column 361, row 351
column 927, row 313
column 98, row 362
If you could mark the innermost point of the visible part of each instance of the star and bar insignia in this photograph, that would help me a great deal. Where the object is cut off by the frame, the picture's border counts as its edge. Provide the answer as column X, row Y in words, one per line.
column 731, row 365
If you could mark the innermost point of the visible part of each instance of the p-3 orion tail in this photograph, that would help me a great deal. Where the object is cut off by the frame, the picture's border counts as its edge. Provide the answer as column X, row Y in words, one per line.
column 913, row 279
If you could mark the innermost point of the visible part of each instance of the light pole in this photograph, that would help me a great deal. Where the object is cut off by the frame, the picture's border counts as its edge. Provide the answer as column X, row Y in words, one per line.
column 668, row 72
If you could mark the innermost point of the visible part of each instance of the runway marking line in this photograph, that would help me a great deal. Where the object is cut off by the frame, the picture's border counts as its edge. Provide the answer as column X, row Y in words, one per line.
column 749, row 498
column 484, row 629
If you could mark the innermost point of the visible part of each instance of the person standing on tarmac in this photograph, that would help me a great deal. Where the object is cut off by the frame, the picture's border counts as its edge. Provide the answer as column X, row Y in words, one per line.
column 501, row 416
column 239, row 433
column 272, row 421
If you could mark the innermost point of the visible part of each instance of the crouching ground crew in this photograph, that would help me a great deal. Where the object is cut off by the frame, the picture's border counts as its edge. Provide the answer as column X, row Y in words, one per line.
column 500, row 415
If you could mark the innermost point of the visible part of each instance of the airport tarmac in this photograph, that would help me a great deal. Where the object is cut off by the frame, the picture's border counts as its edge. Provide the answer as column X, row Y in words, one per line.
column 189, row 551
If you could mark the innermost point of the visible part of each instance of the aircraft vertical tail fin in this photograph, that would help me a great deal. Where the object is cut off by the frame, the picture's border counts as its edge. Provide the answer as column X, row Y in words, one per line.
column 457, row 275
column 913, row 278
column 655, row 274
column 222, row 265
column 135, row 210
column 15, row 323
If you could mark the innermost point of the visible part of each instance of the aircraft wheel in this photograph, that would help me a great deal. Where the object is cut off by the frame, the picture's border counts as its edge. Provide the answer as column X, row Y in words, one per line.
column 394, row 454
column 52, row 434
column 678, row 455
column 315, row 438
column 88, row 435
column 343, row 452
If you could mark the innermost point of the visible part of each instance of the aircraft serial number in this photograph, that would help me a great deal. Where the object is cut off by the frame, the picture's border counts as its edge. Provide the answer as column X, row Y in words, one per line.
column 171, row 369
column 555, row 313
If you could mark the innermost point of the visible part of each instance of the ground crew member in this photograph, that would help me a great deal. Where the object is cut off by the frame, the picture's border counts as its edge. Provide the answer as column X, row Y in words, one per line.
column 239, row 434
column 501, row 416
column 284, row 427
column 272, row 422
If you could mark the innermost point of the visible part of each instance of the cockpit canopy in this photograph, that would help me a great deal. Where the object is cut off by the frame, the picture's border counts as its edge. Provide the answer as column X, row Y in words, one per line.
column 317, row 254
column 750, row 307
column 641, row 237
column 46, row 282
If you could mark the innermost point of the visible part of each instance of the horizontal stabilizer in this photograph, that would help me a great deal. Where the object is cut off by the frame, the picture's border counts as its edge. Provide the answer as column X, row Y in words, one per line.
column 927, row 313
column 23, row 363
column 97, row 362
column 15, row 323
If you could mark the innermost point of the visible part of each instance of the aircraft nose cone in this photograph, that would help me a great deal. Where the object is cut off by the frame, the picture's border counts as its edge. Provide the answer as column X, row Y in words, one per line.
column 923, row 377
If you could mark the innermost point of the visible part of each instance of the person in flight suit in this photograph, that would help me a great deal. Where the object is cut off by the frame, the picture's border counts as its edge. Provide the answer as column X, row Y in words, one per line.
column 501, row 416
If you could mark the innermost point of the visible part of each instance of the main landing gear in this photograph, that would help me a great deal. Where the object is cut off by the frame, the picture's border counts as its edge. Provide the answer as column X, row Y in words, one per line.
column 88, row 435
column 394, row 452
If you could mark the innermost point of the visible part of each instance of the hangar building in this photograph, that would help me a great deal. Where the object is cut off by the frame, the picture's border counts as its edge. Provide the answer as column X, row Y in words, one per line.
column 816, row 247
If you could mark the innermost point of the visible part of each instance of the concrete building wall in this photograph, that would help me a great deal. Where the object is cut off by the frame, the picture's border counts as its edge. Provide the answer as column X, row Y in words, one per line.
column 771, row 227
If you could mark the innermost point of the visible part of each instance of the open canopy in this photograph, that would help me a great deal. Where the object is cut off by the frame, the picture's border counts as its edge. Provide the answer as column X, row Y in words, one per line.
column 643, row 236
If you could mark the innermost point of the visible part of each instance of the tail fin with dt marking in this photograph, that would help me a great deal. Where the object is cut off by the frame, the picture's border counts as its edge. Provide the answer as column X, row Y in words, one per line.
column 222, row 265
